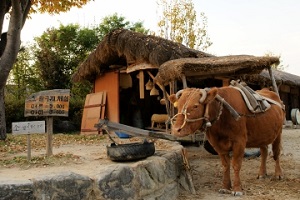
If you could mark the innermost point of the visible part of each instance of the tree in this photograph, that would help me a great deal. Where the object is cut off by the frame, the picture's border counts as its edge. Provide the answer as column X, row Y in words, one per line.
column 17, row 11
column 59, row 51
column 23, row 75
column 114, row 21
column 179, row 23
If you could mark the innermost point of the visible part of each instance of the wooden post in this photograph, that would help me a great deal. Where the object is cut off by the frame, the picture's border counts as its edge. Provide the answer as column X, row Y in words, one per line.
column 172, row 91
column 49, row 122
column 142, row 84
column 225, row 81
column 273, row 80
column 28, row 148
column 188, row 171
column 183, row 79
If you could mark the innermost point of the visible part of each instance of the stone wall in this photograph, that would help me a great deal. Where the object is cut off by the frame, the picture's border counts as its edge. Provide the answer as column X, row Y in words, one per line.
column 160, row 176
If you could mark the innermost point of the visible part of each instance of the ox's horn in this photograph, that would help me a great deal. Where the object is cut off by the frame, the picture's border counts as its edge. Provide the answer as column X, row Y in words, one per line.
column 204, row 95
column 178, row 94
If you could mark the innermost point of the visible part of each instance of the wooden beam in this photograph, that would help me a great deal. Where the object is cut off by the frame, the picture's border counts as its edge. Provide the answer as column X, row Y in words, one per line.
column 139, row 66
column 183, row 78
column 142, row 84
column 172, row 91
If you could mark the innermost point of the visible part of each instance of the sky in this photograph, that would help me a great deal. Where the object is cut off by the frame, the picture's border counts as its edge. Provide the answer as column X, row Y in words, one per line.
column 251, row 27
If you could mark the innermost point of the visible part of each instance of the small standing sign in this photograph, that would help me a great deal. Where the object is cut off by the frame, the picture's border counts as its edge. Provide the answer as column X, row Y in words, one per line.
column 48, row 103
column 28, row 127
column 20, row 128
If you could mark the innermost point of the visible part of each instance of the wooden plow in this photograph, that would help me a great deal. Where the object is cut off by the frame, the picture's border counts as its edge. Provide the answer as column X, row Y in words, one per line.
column 137, row 132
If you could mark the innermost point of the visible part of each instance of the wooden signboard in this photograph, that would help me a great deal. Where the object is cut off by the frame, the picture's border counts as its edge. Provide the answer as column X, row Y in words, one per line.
column 48, row 103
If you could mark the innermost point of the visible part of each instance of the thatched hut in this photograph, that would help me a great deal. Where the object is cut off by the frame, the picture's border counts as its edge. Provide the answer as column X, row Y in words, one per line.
column 131, row 66
column 121, row 64
column 126, row 48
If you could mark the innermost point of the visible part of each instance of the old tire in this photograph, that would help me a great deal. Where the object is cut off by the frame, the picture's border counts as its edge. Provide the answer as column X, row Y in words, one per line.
column 130, row 151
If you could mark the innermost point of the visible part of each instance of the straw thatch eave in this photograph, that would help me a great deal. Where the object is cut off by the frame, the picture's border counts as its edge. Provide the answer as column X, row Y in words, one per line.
column 225, row 65
column 280, row 77
column 125, row 47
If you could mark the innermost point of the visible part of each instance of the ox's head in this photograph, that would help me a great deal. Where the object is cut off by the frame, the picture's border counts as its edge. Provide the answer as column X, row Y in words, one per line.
column 191, row 104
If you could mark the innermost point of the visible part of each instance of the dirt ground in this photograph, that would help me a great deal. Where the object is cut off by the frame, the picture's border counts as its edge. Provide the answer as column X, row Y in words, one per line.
column 207, row 174
column 206, row 169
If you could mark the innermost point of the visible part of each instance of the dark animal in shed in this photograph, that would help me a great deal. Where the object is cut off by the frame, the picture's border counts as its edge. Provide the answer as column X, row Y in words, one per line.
column 201, row 109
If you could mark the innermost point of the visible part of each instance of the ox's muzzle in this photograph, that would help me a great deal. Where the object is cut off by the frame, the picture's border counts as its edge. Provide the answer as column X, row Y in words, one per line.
column 187, row 120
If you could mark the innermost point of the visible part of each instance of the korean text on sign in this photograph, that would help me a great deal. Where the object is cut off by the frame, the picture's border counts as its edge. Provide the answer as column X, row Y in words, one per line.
column 48, row 103
column 28, row 127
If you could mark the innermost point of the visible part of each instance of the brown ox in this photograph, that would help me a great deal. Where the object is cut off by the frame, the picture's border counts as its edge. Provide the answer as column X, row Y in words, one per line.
column 198, row 108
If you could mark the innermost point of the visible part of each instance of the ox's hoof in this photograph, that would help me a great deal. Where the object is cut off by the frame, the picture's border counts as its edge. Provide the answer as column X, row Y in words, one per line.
column 262, row 176
column 237, row 193
column 224, row 191
column 274, row 178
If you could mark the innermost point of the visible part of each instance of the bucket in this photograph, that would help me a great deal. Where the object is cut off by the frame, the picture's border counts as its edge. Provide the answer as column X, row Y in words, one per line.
column 295, row 115
column 122, row 135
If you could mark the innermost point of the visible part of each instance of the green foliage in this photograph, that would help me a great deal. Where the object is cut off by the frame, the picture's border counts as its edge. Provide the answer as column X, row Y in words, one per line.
column 114, row 21
column 24, row 76
column 14, row 110
column 179, row 23
column 59, row 51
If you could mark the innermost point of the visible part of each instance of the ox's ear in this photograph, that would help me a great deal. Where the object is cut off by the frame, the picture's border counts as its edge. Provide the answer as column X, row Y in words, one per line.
column 173, row 99
column 211, row 94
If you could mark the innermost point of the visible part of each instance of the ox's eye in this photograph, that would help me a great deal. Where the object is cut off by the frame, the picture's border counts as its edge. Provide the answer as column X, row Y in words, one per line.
column 196, row 106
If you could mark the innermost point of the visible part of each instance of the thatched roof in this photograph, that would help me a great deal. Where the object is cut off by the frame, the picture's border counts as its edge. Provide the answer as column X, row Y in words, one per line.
column 281, row 77
column 125, row 47
column 224, row 65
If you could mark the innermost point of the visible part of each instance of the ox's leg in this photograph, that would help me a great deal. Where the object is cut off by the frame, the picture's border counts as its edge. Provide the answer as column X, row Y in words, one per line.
column 237, row 159
column 263, row 162
column 276, row 147
column 225, row 159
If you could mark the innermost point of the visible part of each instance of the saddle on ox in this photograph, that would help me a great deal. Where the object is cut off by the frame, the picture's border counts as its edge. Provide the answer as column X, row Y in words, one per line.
column 233, row 121
column 254, row 101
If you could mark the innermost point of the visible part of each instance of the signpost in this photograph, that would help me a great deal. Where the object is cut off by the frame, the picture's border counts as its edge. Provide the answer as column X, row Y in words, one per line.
column 48, row 103
column 28, row 128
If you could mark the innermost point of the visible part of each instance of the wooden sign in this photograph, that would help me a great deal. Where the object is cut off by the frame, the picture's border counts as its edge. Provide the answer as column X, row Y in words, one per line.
column 19, row 128
column 48, row 103
column 28, row 127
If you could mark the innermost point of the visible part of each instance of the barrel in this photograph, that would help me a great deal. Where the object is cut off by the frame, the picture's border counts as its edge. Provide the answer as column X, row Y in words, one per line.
column 295, row 115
